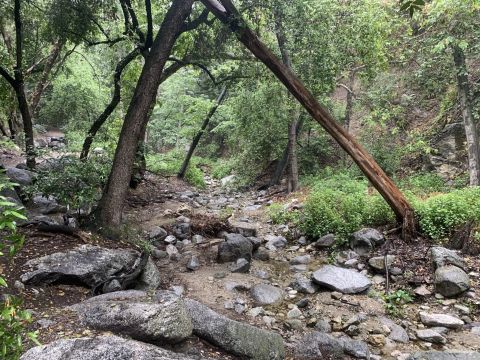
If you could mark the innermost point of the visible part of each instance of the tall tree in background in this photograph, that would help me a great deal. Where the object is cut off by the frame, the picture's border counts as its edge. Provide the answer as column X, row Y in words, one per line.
column 111, row 204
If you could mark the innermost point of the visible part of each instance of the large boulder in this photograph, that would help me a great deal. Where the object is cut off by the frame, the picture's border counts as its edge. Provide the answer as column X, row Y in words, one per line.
column 234, row 337
column 364, row 240
column 163, row 318
column 20, row 176
column 264, row 294
column 443, row 257
column 344, row 280
column 88, row 265
column 445, row 355
column 101, row 348
column 304, row 285
column 451, row 281
column 316, row 345
column 235, row 247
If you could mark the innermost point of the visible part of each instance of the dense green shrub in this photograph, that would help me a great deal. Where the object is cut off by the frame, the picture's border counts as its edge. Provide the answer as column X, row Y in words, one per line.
column 222, row 168
column 440, row 215
column 424, row 184
column 13, row 319
column 168, row 164
column 73, row 182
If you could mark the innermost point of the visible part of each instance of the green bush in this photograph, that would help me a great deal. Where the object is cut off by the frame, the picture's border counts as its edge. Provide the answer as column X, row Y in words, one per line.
column 169, row 164
column 221, row 169
column 73, row 182
column 279, row 215
column 341, row 205
column 424, row 184
column 440, row 215
column 13, row 319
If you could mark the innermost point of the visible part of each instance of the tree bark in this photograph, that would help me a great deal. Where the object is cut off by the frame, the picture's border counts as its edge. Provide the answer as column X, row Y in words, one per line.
column 98, row 123
column 349, row 107
column 471, row 130
column 196, row 139
column 292, row 183
column 227, row 13
column 111, row 204
column 20, row 89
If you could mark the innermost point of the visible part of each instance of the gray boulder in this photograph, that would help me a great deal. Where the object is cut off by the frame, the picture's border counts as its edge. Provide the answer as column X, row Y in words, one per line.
column 87, row 265
column 325, row 241
column 430, row 336
column 344, row 280
column 364, row 240
column 275, row 242
column 445, row 355
column 442, row 320
column 163, row 318
column 235, row 247
column 241, row 266
column 101, row 348
column 265, row 294
column 46, row 205
column 316, row 345
column 157, row 234
column 451, row 281
column 20, row 176
column 234, row 337
column 443, row 257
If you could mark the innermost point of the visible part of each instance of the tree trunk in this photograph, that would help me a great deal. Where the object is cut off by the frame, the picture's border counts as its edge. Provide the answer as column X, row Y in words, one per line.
column 227, row 13
column 111, row 204
column 282, row 162
column 43, row 82
column 98, row 123
column 349, row 107
column 3, row 130
column 292, row 184
column 468, row 120
column 20, row 89
column 196, row 139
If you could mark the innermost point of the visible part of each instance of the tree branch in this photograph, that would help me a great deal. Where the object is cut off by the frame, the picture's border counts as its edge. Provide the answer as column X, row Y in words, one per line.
column 7, row 77
column 186, row 62
column 201, row 19
column 149, row 39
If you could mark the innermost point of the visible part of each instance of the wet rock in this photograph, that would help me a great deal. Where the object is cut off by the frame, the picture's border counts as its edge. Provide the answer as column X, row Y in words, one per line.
column 364, row 240
column 193, row 264
column 378, row 262
column 237, row 338
column 241, row 266
column 443, row 320
column 344, row 280
column 265, row 294
column 20, row 176
column 443, row 257
column 162, row 319
column 304, row 285
column 234, row 247
column 316, row 345
column 101, row 348
column 445, row 355
column 430, row 336
column 451, row 281
column 86, row 264
column 325, row 242
column 301, row 260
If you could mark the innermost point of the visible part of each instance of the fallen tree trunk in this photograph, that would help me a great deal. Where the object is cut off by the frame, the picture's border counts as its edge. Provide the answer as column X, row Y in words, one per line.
column 197, row 137
column 228, row 14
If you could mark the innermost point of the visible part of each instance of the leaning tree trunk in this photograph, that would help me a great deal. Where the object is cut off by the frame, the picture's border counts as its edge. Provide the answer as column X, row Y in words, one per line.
column 111, row 204
column 227, row 13
column 196, row 139
column 468, row 121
